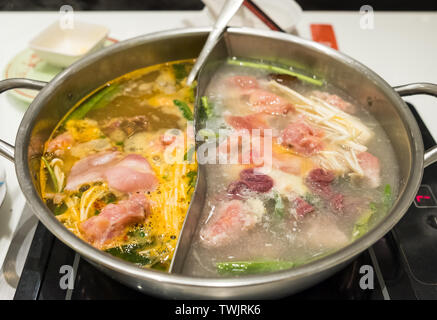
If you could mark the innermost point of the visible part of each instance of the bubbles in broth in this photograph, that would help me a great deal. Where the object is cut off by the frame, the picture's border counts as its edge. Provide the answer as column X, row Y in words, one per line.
column 330, row 176
column 295, row 169
column 105, row 171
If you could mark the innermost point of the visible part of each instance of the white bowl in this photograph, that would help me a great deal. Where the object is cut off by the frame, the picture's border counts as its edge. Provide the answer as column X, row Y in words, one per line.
column 63, row 46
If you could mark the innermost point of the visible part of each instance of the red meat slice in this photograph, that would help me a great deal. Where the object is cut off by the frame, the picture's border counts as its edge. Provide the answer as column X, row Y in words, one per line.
column 242, row 82
column 114, row 219
column 371, row 168
column 61, row 143
column 231, row 220
column 250, row 180
column 335, row 101
column 302, row 207
column 302, row 138
column 268, row 102
column 319, row 181
column 250, row 122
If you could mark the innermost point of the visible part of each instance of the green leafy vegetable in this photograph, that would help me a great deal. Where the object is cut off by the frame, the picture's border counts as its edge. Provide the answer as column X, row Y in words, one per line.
column 362, row 226
column 387, row 198
column 279, row 205
column 180, row 71
column 188, row 156
column 51, row 174
column 313, row 200
column 251, row 267
column 206, row 110
column 130, row 253
column 208, row 134
column 276, row 69
column 58, row 210
column 191, row 94
column 139, row 235
column 192, row 179
column 185, row 109
column 96, row 101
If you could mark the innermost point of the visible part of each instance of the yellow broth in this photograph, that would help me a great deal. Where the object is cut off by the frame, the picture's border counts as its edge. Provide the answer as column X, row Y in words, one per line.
column 142, row 104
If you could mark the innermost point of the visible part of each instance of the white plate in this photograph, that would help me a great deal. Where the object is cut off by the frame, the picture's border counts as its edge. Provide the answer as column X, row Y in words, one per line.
column 2, row 185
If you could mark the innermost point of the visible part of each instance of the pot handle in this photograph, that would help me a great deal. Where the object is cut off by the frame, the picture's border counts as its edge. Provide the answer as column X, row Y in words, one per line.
column 421, row 88
column 6, row 149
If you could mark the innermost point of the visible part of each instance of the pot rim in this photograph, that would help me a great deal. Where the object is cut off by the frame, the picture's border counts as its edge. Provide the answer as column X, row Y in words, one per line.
column 129, row 269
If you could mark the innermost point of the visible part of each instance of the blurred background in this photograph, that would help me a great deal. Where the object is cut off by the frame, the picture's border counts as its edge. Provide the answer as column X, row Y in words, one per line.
column 23, row 5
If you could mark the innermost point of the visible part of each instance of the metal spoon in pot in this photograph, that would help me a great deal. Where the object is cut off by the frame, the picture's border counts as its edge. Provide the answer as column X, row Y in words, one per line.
column 198, row 197
column 228, row 11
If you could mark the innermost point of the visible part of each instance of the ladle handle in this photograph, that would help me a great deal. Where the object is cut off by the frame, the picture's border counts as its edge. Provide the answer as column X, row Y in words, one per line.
column 228, row 11
column 6, row 149
column 421, row 88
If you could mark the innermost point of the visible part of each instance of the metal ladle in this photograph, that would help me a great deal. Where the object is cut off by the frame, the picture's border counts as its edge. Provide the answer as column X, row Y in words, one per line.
column 228, row 11
column 198, row 197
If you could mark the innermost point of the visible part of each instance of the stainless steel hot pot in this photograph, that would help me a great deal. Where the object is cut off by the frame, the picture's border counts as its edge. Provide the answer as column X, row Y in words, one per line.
column 59, row 95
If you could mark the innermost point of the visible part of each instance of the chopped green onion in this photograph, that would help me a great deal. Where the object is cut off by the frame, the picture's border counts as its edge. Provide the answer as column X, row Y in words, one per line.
column 60, row 209
column 363, row 223
column 96, row 101
column 188, row 156
column 51, row 174
column 387, row 197
column 185, row 109
column 251, row 267
column 276, row 69
column 279, row 205
column 207, row 133
column 192, row 176
column 130, row 253
column 206, row 108
column 180, row 71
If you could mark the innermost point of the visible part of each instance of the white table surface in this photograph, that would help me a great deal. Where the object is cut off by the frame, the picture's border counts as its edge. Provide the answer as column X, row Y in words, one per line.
column 402, row 48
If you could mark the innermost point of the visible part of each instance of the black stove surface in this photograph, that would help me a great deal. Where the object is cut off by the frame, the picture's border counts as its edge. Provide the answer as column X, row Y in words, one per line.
column 404, row 262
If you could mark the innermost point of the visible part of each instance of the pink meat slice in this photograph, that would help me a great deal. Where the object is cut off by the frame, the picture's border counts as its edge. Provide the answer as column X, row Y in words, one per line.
column 302, row 138
column 60, row 143
column 90, row 169
column 335, row 101
column 131, row 173
column 242, row 82
column 231, row 220
column 371, row 168
column 250, row 122
column 268, row 102
column 242, row 147
column 114, row 219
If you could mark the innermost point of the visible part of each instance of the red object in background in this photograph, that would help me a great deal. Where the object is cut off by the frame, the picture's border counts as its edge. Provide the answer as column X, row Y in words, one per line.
column 324, row 34
column 419, row 198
